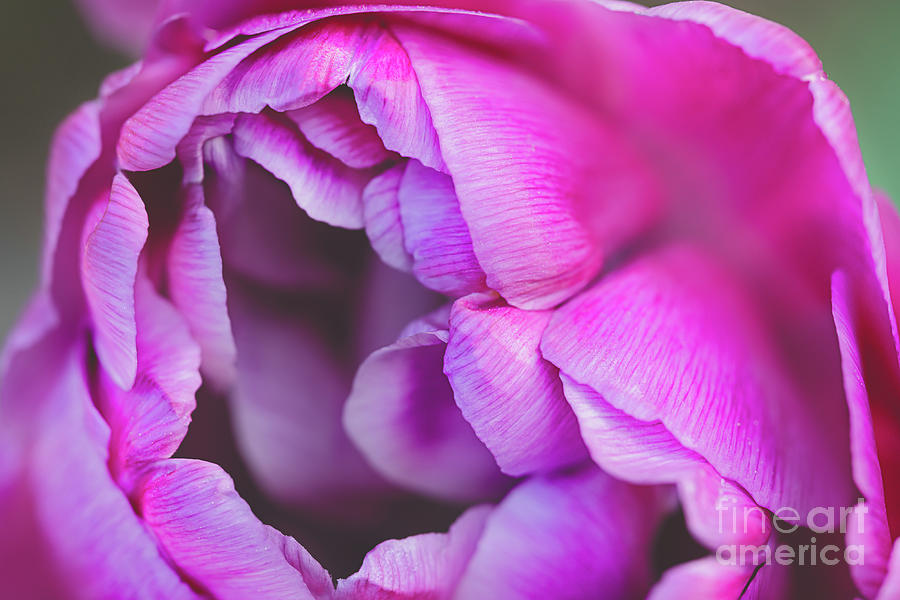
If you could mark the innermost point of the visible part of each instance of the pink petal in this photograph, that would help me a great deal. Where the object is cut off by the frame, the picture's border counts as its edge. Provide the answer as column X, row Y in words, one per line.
column 67, row 526
column 381, row 210
column 510, row 395
column 109, row 268
column 717, row 511
column 401, row 415
column 526, row 165
column 387, row 93
column 322, row 186
column 75, row 147
column 672, row 338
column 190, row 148
column 561, row 537
column 874, row 535
column 149, row 421
column 891, row 586
column 435, row 233
column 214, row 538
column 421, row 566
column 197, row 289
column 702, row 579
column 332, row 124
column 149, row 137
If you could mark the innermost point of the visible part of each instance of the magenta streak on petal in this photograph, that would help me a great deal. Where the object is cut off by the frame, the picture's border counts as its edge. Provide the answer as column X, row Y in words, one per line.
column 109, row 268
column 510, row 395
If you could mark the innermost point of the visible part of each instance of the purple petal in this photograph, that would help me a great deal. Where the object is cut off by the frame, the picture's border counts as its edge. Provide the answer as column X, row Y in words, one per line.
column 197, row 289
column 381, row 208
column 717, row 511
column 75, row 146
column 387, row 93
column 510, row 395
column 672, row 338
column 421, row 566
column 190, row 148
column 702, row 579
column 561, row 537
column 149, row 137
column 891, row 586
column 332, row 124
column 149, row 421
column 401, row 415
column 67, row 526
column 435, row 233
column 109, row 268
column 214, row 538
column 525, row 165
column 325, row 188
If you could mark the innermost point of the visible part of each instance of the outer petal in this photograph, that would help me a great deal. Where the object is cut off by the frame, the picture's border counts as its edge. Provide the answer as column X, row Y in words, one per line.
column 109, row 268
column 76, row 145
column 401, row 415
column 212, row 536
column 381, row 206
column 671, row 338
column 126, row 24
column 510, row 395
column 561, row 537
column 68, row 529
column 716, row 510
column 536, row 176
column 422, row 566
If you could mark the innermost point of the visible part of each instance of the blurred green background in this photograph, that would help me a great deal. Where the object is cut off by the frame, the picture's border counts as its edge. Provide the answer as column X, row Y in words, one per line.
column 49, row 64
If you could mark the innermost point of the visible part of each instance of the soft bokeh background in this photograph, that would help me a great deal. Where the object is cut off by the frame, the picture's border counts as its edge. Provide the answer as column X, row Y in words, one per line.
column 49, row 64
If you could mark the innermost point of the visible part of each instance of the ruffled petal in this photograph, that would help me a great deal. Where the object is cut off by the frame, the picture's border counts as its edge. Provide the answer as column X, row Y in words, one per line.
column 401, row 415
column 538, row 178
column 325, row 188
column 422, row 566
column 510, row 395
column 149, row 137
column 149, row 421
column 67, row 526
column 332, row 124
column 561, row 537
column 109, row 268
column 673, row 338
column 381, row 210
column 214, row 538
column 75, row 146
column 717, row 511
column 197, row 288
column 435, row 234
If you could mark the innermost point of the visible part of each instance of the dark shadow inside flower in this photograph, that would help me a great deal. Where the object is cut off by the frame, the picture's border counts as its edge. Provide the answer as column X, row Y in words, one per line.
column 307, row 302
